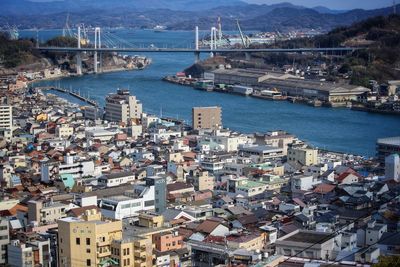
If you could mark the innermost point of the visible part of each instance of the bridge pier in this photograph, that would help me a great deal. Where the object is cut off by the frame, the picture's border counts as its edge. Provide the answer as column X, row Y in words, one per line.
column 95, row 63
column 101, row 62
column 97, row 44
column 79, row 63
column 247, row 56
column 196, row 57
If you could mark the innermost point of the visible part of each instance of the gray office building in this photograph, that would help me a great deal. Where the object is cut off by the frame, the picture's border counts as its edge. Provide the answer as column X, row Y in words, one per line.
column 160, row 187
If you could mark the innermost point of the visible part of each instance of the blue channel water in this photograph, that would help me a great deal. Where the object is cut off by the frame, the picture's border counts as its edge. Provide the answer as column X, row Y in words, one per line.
column 335, row 129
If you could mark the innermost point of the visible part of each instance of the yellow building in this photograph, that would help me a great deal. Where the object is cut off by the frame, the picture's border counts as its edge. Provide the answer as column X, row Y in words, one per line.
column 133, row 253
column 304, row 155
column 248, row 242
column 41, row 117
column 150, row 220
column 93, row 241
column 86, row 241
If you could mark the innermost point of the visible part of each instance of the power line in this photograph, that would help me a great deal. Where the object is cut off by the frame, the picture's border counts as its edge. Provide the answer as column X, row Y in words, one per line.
column 380, row 240
column 333, row 234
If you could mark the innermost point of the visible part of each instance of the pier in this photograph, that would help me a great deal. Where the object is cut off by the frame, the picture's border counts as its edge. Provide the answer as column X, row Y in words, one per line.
column 70, row 92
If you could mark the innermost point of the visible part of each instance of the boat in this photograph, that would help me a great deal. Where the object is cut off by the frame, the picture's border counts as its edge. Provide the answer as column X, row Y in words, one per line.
column 242, row 90
column 272, row 95
column 205, row 85
column 159, row 28
column 314, row 103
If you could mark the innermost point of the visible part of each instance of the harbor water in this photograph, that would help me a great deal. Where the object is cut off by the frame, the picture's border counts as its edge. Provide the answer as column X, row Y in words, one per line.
column 339, row 129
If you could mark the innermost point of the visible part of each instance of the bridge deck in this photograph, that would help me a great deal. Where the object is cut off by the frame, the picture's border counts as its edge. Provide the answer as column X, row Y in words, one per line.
column 192, row 50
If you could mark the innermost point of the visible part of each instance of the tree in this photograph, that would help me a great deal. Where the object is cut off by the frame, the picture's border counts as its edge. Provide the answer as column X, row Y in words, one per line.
column 388, row 261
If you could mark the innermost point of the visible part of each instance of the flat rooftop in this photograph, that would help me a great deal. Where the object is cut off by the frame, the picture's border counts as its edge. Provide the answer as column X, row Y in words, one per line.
column 309, row 237
column 315, row 85
column 259, row 149
column 392, row 141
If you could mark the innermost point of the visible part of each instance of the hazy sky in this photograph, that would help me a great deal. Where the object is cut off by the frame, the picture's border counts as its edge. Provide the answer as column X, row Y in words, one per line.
column 334, row 4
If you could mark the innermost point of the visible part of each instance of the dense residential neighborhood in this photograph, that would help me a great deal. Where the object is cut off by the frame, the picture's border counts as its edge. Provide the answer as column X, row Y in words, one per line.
column 119, row 187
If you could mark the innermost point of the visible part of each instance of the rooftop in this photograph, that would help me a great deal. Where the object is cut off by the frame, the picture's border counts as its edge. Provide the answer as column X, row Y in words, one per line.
column 393, row 141
column 308, row 237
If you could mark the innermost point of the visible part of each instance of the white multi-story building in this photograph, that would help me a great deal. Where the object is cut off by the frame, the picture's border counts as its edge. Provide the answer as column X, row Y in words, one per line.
column 6, row 121
column 116, row 179
column 100, row 134
column 223, row 143
column 142, row 198
column 304, row 182
column 32, row 253
column 371, row 234
column 260, row 153
column 77, row 168
column 4, row 240
column 122, row 107
column 64, row 131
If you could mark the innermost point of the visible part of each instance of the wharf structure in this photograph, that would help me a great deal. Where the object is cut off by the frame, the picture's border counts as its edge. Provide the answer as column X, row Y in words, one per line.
column 288, row 84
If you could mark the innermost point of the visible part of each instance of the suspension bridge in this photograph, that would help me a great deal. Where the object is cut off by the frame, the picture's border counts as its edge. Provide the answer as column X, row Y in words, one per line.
column 112, row 43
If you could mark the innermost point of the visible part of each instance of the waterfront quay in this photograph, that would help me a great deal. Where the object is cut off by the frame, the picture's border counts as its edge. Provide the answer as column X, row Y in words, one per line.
column 279, row 85
column 70, row 92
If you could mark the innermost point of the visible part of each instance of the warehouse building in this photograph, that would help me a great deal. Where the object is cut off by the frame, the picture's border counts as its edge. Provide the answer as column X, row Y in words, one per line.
column 325, row 91
column 245, row 77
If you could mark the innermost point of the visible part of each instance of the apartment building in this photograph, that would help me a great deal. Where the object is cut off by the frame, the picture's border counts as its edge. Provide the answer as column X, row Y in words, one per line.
column 4, row 240
column 76, row 167
column 142, row 198
column 30, row 253
column 304, row 155
column 64, row 131
column 46, row 212
column 122, row 107
column 206, row 117
column 94, row 241
column 86, row 241
column 168, row 241
column 6, row 121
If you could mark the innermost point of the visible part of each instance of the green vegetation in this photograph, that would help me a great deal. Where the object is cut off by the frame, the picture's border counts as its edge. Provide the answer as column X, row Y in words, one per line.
column 388, row 261
column 62, row 41
column 378, row 60
column 16, row 52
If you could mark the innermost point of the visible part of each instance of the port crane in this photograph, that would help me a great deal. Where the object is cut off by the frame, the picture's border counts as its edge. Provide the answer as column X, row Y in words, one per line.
column 245, row 39
column 67, row 30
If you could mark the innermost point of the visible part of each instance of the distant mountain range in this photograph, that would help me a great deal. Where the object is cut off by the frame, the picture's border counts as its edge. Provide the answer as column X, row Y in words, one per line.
column 177, row 14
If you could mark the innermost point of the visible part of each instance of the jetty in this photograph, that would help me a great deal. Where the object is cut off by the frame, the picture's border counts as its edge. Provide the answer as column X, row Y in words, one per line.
column 70, row 92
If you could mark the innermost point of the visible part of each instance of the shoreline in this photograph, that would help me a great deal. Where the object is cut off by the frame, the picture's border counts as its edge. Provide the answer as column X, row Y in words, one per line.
column 294, row 100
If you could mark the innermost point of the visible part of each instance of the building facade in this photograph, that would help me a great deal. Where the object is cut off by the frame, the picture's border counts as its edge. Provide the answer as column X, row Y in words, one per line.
column 206, row 117
column 122, row 107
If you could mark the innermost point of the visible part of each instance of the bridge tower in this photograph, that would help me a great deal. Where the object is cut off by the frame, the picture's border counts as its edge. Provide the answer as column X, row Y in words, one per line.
column 196, row 43
column 79, row 55
column 97, row 44
column 213, row 41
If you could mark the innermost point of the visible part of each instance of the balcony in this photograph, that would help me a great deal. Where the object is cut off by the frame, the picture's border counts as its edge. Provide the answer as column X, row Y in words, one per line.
column 140, row 254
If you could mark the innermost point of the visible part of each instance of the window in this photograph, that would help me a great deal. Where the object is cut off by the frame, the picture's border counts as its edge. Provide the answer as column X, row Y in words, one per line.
column 88, row 262
column 88, row 241
column 88, row 250
column 78, row 241
column 127, row 252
